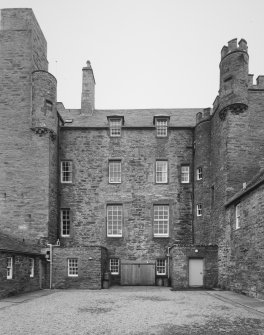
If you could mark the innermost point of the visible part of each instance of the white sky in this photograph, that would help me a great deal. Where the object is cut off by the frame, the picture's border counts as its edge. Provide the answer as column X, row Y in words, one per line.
column 145, row 53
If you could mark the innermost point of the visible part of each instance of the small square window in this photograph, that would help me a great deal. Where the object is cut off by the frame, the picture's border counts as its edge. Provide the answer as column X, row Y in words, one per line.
column 66, row 171
column 161, row 127
column 114, row 266
column 161, row 267
column 114, row 171
column 115, row 127
column 185, row 174
column 199, row 210
column 199, row 173
column 161, row 221
column 237, row 216
column 9, row 274
column 31, row 267
column 73, row 267
column 161, row 172
column 114, row 220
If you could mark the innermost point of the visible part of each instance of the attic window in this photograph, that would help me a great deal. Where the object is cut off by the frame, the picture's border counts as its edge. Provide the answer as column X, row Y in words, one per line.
column 161, row 123
column 115, row 125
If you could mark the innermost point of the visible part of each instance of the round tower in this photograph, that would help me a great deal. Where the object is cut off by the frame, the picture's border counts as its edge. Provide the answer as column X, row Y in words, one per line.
column 233, row 91
column 202, row 181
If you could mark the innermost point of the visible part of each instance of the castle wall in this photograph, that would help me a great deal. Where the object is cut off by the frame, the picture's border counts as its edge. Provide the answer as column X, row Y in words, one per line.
column 24, row 179
column 202, row 187
column 246, row 256
column 90, row 192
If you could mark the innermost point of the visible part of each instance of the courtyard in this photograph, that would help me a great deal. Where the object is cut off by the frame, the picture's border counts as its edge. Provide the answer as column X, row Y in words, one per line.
column 131, row 310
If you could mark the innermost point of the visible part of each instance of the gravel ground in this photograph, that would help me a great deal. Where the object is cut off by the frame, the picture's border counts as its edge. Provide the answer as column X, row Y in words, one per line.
column 128, row 310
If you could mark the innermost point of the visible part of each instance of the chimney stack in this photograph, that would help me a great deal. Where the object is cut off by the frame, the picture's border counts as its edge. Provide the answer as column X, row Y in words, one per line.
column 88, row 85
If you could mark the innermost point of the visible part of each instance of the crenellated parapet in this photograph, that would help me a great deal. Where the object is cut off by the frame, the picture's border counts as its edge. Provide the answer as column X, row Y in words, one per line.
column 233, row 46
column 259, row 82
column 203, row 116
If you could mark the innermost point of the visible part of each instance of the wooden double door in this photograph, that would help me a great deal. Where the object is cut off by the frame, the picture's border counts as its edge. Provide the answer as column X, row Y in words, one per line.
column 137, row 274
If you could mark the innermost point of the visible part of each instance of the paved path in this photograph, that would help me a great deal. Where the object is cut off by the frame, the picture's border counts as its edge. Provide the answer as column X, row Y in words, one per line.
column 133, row 311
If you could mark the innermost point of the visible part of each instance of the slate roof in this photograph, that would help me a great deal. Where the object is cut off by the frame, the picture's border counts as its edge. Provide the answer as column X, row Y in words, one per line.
column 257, row 180
column 181, row 117
column 10, row 244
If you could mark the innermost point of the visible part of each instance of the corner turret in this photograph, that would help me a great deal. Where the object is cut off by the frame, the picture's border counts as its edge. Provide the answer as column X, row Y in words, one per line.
column 233, row 91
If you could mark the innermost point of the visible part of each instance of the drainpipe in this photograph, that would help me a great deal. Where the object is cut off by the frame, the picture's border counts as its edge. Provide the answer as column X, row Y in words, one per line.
column 168, row 255
column 51, row 260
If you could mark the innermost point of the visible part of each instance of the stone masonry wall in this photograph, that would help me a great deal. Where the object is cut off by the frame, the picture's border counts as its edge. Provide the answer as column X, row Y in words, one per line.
column 203, row 189
column 90, row 192
column 179, row 266
column 245, row 267
column 24, row 165
column 21, row 281
column 89, row 267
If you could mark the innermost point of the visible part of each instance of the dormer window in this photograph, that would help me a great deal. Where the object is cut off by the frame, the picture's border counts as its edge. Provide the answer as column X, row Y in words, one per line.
column 115, row 125
column 161, row 123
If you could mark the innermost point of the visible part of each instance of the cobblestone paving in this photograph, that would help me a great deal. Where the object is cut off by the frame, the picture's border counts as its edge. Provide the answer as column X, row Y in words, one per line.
column 127, row 310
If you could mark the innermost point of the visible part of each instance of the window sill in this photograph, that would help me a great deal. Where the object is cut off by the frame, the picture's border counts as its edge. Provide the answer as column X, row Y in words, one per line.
column 161, row 236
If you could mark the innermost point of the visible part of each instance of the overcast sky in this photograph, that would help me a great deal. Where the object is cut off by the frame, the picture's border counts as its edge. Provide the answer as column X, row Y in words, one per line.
column 145, row 53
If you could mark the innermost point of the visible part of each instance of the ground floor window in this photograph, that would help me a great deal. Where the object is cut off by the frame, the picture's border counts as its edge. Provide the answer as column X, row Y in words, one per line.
column 9, row 274
column 114, row 266
column 161, row 267
column 73, row 267
column 31, row 266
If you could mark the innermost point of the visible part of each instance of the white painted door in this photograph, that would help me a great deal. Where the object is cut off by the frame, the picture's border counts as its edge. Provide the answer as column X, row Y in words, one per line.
column 195, row 272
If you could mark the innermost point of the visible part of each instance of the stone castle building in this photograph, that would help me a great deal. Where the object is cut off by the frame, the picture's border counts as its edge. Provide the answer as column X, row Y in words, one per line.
column 134, row 197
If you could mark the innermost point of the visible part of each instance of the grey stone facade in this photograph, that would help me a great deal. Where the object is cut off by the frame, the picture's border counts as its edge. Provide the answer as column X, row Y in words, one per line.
column 179, row 173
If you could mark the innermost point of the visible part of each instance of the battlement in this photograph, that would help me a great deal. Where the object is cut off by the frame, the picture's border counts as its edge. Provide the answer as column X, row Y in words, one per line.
column 234, row 46
column 259, row 82
column 204, row 115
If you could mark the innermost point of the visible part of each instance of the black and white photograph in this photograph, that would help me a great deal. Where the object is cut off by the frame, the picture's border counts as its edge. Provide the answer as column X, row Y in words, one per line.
column 131, row 167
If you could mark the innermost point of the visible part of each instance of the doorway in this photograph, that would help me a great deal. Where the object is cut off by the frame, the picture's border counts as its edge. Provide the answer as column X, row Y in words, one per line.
column 138, row 274
column 196, row 272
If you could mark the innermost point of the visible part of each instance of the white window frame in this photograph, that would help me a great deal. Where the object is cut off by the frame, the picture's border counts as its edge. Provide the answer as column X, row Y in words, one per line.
column 10, row 267
column 114, row 220
column 66, row 172
column 31, row 267
column 73, row 267
column 238, row 215
column 115, row 125
column 185, row 174
column 199, row 173
column 161, row 220
column 161, row 267
column 65, row 222
column 114, row 266
column 162, row 127
column 161, row 171
column 199, row 210
column 114, row 168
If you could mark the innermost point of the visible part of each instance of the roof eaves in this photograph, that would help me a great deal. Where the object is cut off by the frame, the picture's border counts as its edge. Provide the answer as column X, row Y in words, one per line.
column 242, row 193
